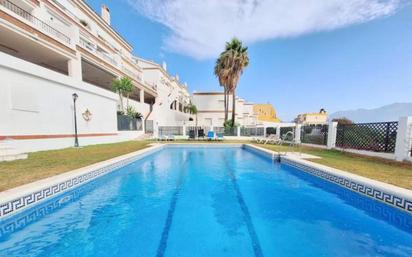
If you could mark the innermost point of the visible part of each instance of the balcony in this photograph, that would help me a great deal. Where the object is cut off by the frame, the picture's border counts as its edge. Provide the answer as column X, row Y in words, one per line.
column 132, row 74
column 39, row 24
column 95, row 49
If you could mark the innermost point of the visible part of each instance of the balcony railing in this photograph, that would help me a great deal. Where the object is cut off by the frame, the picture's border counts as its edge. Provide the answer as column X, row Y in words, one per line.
column 107, row 57
column 93, row 48
column 35, row 21
column 132, row 74
column 86, row 44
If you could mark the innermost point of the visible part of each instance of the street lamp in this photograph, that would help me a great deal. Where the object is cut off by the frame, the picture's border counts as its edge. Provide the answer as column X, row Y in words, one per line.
column 76, row 139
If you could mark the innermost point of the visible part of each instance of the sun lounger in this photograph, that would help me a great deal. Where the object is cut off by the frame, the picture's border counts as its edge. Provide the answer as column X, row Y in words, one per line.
column 180, row 137
column 211, row 135
column 268, row 139
column 219, row 136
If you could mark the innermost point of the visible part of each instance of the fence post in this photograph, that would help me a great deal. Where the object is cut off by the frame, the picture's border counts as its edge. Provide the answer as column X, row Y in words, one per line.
column 238, row 131
column 156, row 129
column 278, row 132
column 332, row 131
column 184, row 130
column 403, row 138
column 298, row 129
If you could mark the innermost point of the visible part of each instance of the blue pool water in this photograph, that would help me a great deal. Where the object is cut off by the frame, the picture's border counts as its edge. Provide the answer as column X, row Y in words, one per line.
column 208, row 202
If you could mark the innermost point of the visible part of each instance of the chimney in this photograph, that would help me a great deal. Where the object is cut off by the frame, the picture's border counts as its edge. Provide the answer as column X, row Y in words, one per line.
column 105, row 14
column 164, row 65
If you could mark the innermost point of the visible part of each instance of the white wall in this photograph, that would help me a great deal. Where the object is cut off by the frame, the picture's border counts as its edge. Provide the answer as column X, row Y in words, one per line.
column 38, row 101
column 211, row 106
column 168, row 90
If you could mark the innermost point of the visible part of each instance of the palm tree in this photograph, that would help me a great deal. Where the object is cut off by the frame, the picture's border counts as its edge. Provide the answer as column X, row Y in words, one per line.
column 228, row 68
column 193, row 110
column 124, row 87
column 221, row 74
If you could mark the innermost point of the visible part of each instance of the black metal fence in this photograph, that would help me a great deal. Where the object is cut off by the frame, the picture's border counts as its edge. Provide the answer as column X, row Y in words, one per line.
column 170, row 130
column 270, row 131
column 378, row 137
column 314, row 134
column 285, row 133
column 248, row 131
column 126, row 123
column 194, row 128
column 226, row 131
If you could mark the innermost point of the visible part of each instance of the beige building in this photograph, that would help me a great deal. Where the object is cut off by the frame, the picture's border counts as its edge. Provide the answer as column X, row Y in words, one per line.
column 312, row 118
column 265, row 112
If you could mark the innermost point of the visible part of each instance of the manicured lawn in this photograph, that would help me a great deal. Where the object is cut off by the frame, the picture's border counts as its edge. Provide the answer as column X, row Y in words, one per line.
column 48, row 163
column 396, row 173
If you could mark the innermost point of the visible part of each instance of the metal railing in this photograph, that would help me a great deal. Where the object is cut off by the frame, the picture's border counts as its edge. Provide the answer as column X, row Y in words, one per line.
column 226, row 131
column 35, row 21
column 170, row 131
column 314, row 134
column 287, row 132
column 252, row 131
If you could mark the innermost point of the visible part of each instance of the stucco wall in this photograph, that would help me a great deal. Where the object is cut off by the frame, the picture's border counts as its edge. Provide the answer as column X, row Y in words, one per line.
column 35, row 101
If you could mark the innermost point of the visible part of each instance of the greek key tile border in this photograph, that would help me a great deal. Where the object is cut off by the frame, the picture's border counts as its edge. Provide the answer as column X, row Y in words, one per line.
column 11, row 207
column 375, row 193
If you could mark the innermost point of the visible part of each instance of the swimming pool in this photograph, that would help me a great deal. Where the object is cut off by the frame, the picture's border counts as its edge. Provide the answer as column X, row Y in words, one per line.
column 208, row 201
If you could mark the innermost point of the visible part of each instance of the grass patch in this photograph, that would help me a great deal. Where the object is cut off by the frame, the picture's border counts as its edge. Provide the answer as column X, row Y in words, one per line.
column 388, row 171
column 44, row 164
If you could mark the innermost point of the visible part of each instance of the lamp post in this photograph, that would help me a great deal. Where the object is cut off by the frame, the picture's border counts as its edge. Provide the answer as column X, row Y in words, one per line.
column 76, row 139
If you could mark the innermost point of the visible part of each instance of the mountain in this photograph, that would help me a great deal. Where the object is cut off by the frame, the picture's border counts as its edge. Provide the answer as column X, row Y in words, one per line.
column 390, row 112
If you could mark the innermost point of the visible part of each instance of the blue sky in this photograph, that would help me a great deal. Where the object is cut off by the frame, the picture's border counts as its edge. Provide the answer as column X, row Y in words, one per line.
column 349, row 54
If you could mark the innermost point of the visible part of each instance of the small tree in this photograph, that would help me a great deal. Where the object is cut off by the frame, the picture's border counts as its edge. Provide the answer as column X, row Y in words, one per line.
column 192, row 109
column 343, row 121
column 124, row 87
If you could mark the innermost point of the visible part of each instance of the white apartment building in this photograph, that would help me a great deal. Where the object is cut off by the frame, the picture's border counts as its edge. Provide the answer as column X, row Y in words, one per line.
column 52, row 49
column 211, row 112
column 172, row 95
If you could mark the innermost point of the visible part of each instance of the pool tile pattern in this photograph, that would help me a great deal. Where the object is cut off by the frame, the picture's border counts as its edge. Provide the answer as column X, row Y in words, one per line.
column 378, row 194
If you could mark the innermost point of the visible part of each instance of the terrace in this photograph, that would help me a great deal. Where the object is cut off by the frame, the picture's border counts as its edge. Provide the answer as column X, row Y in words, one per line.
column 34, row 21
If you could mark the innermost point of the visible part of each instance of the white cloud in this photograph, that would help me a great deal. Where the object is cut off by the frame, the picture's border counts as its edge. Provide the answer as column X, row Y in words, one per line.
column 199, row 28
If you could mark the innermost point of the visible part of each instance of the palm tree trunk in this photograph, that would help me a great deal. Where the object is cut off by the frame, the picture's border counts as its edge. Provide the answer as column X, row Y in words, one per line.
column 121, row 102
column 226, row 104
column 233, row 107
